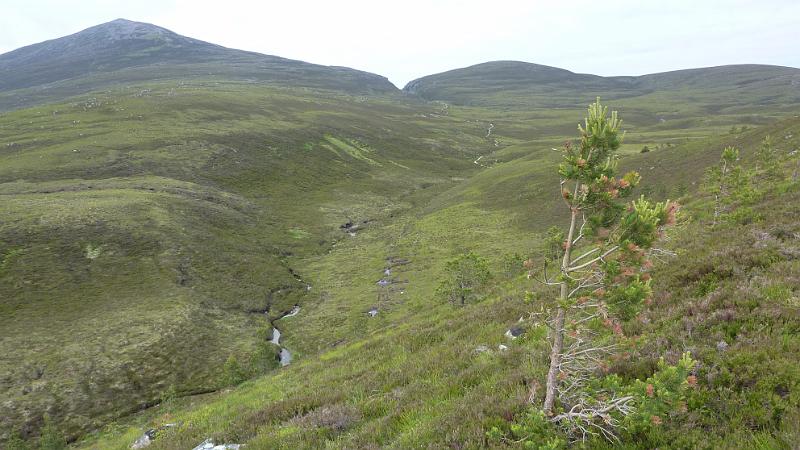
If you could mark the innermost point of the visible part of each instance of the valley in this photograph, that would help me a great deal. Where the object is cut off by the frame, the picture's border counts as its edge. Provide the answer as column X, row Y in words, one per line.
column 248, row 248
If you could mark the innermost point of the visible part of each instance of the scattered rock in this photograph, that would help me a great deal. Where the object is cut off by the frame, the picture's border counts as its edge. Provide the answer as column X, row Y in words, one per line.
column 143, row 441
column 149, row 436
column 481, row 348
column 515, row 332
column 350, row 227
column 208, row 444
column 384, row 282
column 38, row 373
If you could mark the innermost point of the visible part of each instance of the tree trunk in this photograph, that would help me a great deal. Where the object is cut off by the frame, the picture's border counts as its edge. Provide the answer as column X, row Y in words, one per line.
column 555, row 362
column 558, row 325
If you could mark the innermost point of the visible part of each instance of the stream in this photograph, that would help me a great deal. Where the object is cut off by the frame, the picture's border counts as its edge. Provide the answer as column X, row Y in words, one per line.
column 285, row 356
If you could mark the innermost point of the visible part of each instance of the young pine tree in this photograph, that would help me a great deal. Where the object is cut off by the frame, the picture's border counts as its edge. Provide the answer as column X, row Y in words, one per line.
column 768, row 160
column 604, row 259
column 465, row 277
column 728, row 182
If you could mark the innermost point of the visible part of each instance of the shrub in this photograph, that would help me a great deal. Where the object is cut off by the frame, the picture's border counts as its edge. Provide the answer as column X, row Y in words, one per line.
column 465, row 278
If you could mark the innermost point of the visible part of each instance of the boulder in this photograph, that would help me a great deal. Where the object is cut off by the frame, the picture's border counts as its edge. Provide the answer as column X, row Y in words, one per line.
column 515, row 332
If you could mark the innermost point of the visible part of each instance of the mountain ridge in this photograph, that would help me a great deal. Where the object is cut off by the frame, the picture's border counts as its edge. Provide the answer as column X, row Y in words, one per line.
column 473, row 85
column 124, row 51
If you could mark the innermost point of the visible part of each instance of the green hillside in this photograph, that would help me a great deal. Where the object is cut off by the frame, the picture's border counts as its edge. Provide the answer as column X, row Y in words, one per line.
column 167, row 202
column 122, row 52
column 423, row 373
column 145, row 218
column 726, row 95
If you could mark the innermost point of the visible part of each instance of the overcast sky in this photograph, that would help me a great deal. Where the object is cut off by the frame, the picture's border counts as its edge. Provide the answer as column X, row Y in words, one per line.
column 407, row 39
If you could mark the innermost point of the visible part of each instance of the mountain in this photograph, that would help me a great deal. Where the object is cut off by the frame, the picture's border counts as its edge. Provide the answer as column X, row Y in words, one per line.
column 126, row 51
column 496, row 76
column 524, row 85
column 156, row 223
column 171, row 207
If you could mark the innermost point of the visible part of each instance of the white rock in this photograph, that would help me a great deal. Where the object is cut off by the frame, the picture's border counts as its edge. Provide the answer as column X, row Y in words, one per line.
column 208, row 444
column 142, row 442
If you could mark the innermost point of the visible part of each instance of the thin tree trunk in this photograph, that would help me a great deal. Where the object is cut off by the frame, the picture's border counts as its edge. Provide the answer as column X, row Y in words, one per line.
column 555, row 361
column 558, row 328
column 723, row 192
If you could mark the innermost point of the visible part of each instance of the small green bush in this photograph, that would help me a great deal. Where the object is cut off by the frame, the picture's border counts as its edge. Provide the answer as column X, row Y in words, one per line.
column 465, row 278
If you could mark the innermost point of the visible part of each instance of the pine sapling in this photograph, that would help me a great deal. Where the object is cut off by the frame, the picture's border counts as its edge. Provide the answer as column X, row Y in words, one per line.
column 603, row 279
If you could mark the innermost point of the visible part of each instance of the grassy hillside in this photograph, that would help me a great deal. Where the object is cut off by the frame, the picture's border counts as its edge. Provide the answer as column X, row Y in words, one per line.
column 423, row 373
column 166, row 204
column 671, row 101
column 122, row 51
column 143, row 227
column 157, row 218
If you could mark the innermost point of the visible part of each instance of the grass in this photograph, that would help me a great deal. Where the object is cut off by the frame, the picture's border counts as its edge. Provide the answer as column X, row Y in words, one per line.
column 151, row 225
column 416, row 374
column 145, row 224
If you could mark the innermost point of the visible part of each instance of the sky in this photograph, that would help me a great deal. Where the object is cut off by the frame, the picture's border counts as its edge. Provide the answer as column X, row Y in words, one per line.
column 404, row 40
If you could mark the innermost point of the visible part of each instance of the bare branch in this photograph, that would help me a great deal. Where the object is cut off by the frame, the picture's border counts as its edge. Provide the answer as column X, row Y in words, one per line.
column 596, row 249
column 589, row 263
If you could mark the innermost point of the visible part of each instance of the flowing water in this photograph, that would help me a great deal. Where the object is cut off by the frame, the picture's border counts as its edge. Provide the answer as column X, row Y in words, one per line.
column 285, row 356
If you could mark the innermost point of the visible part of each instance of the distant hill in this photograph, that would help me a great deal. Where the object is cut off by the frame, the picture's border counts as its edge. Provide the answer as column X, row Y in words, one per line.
column 166, row 201
column 126, row 51
column 513, row 83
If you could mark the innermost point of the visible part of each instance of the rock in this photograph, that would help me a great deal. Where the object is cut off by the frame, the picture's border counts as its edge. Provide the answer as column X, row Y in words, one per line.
column 722, row 346
column 149, row 436
column 384, row 282
column 143, row 441
column 481, row 348
column 373, row 312
column 208, row 444
column 502, row 347
column 515, row 332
